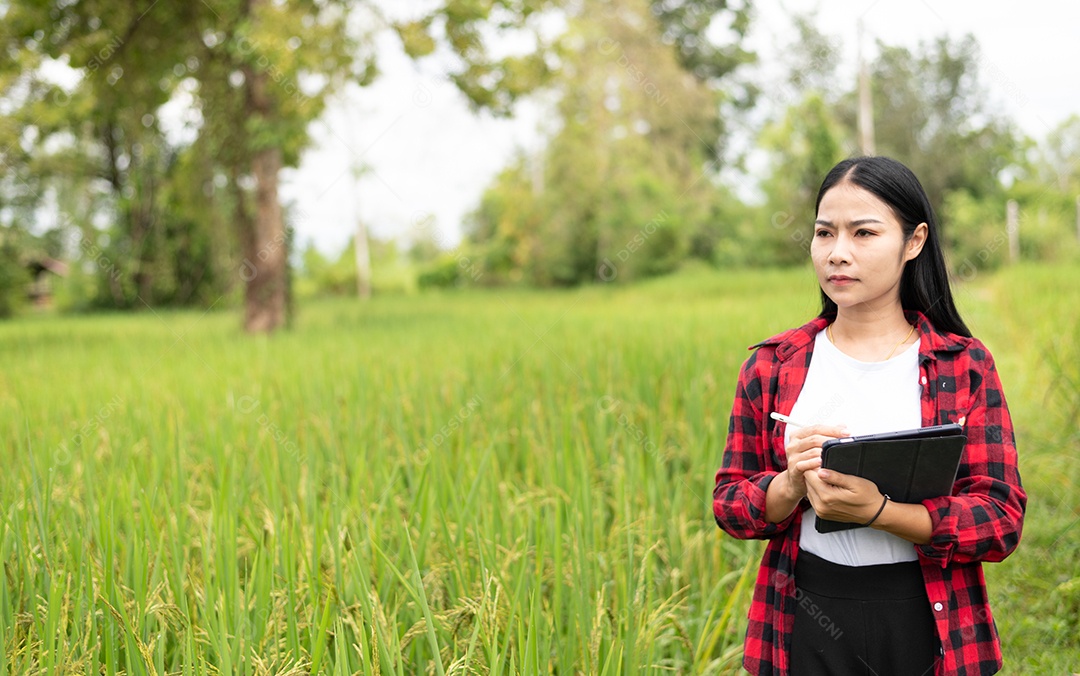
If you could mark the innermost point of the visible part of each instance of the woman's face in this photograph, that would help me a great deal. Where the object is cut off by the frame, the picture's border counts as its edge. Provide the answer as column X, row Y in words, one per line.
column 858, row 248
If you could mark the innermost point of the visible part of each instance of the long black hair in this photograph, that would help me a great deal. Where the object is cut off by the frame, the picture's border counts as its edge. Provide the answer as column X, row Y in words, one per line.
column 924, row 284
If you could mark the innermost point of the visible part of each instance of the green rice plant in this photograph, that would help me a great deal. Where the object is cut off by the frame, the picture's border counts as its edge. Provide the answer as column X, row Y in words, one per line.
column 461, row 482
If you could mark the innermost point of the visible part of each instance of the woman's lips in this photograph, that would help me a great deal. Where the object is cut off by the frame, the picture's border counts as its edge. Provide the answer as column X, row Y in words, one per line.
column 841, row 280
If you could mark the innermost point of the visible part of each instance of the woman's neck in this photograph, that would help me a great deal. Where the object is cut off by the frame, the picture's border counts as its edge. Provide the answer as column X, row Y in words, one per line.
column 871, row 335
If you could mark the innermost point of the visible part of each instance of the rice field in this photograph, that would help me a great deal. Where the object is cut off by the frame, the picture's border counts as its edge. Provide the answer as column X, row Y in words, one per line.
column 473, row 482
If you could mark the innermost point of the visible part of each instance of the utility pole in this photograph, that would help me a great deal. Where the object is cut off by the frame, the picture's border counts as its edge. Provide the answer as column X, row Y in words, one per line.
column 363, row 256
column 536, row 172
column 1012, row 226
column 866, row 104
column 360, row 240
column 1078, row 217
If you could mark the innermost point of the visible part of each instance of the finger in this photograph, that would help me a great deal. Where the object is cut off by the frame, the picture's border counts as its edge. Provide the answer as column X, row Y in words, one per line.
column 809, row 464
column 821, row 486
column 795, row 458
column 838, row 479
column 815, row 441
column 831, row 431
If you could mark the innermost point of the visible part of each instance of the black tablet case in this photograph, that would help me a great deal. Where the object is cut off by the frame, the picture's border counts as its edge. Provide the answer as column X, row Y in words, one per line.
column 909, row 466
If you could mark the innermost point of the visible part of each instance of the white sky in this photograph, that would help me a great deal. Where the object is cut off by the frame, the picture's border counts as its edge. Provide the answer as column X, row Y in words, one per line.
column 426, row 155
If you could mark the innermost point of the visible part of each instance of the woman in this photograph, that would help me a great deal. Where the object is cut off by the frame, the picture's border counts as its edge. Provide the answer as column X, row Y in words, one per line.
column 889, row 351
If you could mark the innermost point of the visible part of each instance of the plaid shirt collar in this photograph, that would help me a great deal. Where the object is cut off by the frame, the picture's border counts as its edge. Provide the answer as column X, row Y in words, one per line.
column 792, row 341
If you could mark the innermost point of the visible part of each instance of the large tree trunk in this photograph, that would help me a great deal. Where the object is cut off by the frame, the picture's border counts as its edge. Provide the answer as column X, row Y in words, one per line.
column 265, row 249
column 263, row 239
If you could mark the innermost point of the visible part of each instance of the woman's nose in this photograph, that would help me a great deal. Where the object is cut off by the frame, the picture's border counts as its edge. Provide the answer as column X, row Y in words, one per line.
column 840, row 252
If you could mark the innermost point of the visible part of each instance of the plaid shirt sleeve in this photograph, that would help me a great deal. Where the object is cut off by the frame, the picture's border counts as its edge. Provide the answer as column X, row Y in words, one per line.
column 748, row 465
column 983, row 518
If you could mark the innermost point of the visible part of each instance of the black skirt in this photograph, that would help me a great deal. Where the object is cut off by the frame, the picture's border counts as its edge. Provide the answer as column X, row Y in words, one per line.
column 853, row 620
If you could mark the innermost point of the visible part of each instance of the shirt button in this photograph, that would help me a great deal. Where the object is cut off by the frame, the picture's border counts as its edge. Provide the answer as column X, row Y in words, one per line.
column 938, row 606
column 924, row 380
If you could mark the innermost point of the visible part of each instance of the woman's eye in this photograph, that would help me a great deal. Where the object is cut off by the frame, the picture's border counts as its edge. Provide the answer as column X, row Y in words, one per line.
column 865, row 232
column 821, row 233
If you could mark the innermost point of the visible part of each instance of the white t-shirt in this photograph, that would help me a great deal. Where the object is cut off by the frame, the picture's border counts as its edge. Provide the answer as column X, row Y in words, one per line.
column 868, row 397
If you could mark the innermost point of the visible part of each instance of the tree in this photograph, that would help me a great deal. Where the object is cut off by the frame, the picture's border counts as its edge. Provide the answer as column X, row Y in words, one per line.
column 1047, row 191
column 624, row 187
column 932, row 112
column 266, row 71
column 13, row 276
column 1058, row 162
column 804, row 145
column 98, row 150
column 257, row 73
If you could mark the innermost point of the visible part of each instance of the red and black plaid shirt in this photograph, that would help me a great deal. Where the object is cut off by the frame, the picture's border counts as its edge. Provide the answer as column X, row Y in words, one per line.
column 980, row 521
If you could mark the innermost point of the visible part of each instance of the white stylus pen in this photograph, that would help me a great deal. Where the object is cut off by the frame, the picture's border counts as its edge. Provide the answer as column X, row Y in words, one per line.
column 784, row 419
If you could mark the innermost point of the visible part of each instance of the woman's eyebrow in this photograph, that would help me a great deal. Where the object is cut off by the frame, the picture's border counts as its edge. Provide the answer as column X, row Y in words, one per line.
column 851, row 224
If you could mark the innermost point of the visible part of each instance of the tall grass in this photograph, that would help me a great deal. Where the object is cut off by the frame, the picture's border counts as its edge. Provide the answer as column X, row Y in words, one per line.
column 1030, row 316
column 481, row 482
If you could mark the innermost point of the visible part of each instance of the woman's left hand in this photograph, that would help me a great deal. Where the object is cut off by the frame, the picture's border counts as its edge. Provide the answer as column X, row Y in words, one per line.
column 842, row 497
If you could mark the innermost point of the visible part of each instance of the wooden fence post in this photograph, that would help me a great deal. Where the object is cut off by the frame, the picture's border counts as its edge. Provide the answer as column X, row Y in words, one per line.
column 1012, row 226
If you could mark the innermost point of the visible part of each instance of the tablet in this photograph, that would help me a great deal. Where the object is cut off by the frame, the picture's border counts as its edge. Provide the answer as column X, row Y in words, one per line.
column 909, row 465
column 918, row 433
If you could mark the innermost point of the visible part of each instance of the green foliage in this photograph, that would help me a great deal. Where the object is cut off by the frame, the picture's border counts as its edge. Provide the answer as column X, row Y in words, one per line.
column 506, row 226
column 1046, row 230
column 1028, row 319
column 285, row 515
column 13, row 276
column 391, row 271
column 443, row 272
column 1046, row 189
column 628, row 187
column 464, row 26
column 931, row 111
column 170, row 209
column 99, row 149
column 322, row 276
column 415, row 39
column 689, row 23
column 804, row 145
column 1057, row 165
column 624, row 189
column 978, row 236
column 1048, row 224
column 455, row 480
column 729, row 232
column 180, row 217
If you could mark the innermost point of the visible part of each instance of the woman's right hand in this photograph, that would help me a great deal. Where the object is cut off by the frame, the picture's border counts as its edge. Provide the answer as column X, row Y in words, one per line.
column 804, row 453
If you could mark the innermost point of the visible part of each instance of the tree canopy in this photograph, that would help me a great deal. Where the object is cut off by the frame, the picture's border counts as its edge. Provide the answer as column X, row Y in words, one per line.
column 145, row 140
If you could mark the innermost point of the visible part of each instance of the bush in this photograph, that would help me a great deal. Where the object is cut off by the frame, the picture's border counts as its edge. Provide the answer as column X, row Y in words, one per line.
column 13, row 280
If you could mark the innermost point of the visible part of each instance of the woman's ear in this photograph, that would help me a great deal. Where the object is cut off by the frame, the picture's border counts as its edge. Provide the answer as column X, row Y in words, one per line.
column 915, row 244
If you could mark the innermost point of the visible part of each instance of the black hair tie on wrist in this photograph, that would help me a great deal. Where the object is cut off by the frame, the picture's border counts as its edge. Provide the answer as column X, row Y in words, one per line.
column 882, row 509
